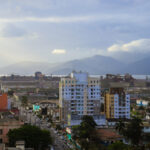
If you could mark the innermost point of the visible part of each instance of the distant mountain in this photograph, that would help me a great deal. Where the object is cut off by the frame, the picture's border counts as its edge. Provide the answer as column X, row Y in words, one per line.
column 25, row 68
column 141, row 67
column 96, row 65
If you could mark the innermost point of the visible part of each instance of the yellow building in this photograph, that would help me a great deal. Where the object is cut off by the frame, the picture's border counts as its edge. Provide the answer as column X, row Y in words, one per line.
column 117, row 103
column 109, row 105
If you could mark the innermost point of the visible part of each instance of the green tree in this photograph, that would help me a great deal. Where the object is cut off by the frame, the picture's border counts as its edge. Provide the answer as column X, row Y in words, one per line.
column 118, row 146
column 120, row 127
column 24, row 101
column 86, row 134
column 88, row 120
column 33, row 136
column 133, row 131
column 147, row 146
column 75, row 132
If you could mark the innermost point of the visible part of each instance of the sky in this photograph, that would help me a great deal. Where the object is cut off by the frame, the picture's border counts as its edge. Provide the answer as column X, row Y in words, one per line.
column 61, row 30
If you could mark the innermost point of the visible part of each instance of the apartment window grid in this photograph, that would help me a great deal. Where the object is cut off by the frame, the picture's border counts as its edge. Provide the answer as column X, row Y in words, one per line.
column 75, row 93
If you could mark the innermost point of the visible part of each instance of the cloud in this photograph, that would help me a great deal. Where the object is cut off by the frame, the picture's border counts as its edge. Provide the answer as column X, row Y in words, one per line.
column 11, row 30
column 12, row 51
column 40, row 27
column 59, row 51
column 72, row 19
column 141, row 45
column 49, row 19
column 33, row 35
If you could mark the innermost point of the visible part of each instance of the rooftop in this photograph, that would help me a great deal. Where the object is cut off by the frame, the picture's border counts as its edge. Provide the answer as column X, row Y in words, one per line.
column 108, row 134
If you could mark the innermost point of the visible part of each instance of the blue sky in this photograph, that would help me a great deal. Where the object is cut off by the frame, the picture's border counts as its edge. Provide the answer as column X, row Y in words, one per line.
column 62, row 30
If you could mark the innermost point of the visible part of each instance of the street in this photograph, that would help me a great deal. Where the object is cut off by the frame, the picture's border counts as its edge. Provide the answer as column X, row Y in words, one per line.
column 28, row 116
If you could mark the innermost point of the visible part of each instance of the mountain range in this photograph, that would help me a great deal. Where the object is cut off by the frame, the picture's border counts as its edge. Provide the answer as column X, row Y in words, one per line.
column 95, row 65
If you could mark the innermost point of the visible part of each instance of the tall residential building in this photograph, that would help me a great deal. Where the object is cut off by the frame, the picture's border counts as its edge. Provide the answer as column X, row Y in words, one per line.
column 117, row 103
column 79, row 95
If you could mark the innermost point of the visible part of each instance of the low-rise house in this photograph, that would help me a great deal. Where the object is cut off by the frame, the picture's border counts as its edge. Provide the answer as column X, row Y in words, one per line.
column 2, row 146
column 141, row 102
column 112, row 122
column 5, row 126
column 50, row 107
column 109, row 135
column 146, row 127
column 133, row 101
column 147, row 116
column 20, row 145
column 49, row 103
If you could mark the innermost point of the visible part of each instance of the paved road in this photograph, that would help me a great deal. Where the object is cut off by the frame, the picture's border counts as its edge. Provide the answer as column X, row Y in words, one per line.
column 59, row 144
column 30, row 117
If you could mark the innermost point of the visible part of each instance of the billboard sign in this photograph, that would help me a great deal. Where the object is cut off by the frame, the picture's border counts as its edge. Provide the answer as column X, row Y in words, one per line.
column 36, row 107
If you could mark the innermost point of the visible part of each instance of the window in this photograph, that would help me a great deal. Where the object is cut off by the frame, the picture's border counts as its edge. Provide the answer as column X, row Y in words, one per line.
column 1, row 131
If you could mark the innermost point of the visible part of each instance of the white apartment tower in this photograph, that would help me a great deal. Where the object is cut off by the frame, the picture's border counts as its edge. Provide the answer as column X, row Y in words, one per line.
column 79, row 95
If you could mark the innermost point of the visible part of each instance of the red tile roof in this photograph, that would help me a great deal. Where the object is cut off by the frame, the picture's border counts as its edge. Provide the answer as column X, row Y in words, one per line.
column 108, row 134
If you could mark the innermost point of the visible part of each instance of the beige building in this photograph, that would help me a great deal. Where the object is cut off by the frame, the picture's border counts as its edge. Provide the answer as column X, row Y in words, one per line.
column 79, row 94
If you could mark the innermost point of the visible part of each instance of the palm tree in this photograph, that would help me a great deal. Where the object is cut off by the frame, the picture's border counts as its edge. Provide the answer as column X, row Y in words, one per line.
column 120, row 126
column 134, row 131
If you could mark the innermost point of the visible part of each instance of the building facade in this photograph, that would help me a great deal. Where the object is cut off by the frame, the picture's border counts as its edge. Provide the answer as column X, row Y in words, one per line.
column 5, row 126
column 79, row 95
column 3, row 102
column 141, row 102
column 117, row 103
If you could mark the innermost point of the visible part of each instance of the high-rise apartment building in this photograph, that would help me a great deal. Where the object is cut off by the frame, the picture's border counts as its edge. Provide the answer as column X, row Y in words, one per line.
column 79, row 95
column 117, row 103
